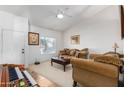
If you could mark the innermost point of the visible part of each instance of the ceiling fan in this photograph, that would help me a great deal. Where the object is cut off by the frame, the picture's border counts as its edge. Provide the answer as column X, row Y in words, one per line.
column 61, row 13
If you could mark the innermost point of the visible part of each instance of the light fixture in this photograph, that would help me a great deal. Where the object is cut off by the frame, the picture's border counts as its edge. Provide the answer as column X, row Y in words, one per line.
column 60, row 16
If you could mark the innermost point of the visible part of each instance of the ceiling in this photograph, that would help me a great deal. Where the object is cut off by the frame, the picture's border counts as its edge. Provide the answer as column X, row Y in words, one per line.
column 45, row 15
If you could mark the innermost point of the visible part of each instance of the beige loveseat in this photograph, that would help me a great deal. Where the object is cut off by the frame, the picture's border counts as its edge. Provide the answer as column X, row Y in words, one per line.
column 96, row 72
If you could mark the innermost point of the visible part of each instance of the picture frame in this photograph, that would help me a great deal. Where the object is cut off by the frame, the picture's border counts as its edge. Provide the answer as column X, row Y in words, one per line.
column 33, row 38
column 75, row 39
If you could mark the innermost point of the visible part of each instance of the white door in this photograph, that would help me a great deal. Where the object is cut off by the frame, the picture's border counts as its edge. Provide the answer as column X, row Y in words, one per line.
column 13, row 46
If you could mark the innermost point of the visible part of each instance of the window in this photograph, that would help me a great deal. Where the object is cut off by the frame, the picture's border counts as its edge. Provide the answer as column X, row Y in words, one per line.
column 48, row 45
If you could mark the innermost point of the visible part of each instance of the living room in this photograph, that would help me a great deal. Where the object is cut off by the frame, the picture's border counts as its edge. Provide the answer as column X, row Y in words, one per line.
column 56, row 28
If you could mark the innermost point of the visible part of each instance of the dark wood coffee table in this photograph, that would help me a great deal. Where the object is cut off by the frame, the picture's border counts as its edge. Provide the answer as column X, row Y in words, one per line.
column 61, row 61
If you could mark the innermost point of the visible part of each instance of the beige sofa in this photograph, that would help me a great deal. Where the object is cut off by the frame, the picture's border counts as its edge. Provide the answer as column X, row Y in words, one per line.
column 96, row 72
column 74, row 53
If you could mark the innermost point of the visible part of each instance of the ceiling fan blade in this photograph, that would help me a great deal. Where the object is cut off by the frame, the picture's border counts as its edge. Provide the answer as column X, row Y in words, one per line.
column 68, row 15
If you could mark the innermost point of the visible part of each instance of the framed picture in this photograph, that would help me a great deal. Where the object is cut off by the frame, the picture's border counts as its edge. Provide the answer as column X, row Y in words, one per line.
column 75, row 39
column 33, row 38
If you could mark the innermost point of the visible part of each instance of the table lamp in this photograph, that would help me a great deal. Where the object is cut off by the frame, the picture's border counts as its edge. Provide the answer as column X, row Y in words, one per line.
column 115, row 46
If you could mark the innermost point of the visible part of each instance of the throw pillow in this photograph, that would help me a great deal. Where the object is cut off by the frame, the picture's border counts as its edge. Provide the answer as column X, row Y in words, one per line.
column 66, row 50
column 83, row 54
column 72, row 52
column 85, row 49
column 77, row 54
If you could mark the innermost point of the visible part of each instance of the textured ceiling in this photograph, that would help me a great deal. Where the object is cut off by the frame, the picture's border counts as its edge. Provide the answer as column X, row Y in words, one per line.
column 45, row 15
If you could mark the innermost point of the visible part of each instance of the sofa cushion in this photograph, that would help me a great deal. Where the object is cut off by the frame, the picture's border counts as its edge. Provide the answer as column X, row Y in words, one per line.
column 109, row 60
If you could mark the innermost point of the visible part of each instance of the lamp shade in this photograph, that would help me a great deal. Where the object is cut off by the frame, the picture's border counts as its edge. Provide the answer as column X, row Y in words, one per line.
column 115, row 45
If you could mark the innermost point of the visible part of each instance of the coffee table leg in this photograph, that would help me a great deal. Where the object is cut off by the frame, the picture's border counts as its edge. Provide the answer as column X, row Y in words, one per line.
column 64, row 68
column 51, row 63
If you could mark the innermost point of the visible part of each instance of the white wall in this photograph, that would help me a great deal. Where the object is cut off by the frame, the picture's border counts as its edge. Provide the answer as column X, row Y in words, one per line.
column 99, row 32
column 34, row 51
